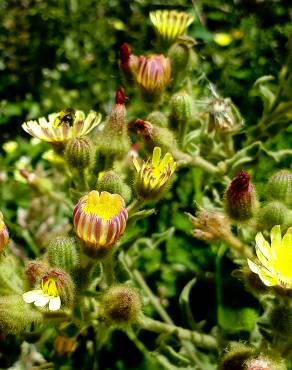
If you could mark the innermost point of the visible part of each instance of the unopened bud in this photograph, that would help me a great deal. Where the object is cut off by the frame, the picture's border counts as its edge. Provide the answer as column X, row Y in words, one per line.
column 280, row 187
column 157, row 119
column 15, row 316
column 240, row 201
column 78, row 152
column 252, row 282
column 121, row 304
column 281, row 320
column 111, row 182
column 4, row 234
column 236, row 357
column 63, row 253
column 34, row 269
column 179, row 54
column 181, row 105
column 274, row 213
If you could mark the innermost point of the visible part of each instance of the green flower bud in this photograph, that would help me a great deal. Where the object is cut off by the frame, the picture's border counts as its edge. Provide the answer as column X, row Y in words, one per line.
column 78, row 152
column 236, row 357
column 63, row 252
column 181, row 105
column 280, row 187
column 179, row 54
column 111, row 182
column 114, row 140
column 240, row 202
column 15, row 316
column 158, row 119
column 121, row 304
column 274, row 213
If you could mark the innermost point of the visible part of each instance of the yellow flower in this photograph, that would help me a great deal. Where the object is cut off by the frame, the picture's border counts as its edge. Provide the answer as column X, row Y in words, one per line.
column 99, row 220
column 153, row 73
column 170, row 24
column 275, row 260
column 48, row 294
column 62, row 126
column 153, row 176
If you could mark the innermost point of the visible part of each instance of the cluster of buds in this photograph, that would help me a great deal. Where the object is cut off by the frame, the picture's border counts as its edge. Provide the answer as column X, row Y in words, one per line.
column 99, row 220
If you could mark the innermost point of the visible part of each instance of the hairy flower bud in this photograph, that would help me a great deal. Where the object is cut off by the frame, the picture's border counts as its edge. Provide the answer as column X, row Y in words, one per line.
column 63, row 253
column 121, row 304
column 78, row 152
column 15, row 316
column 181, row 106
column 274, row 213
column 99, row 220
column 281, row 320
column 236, row 357
column 4, row 234
column 280, row 187
column 111, row 182
column 128, row 61
column 157, row 119
column 240, row 201
column 114, row 140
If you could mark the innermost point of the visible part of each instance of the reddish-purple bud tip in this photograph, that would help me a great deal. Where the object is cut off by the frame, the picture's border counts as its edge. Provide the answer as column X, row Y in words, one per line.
column 240, row 198
column 120, row 96
column 125, row 53
column 143, row 127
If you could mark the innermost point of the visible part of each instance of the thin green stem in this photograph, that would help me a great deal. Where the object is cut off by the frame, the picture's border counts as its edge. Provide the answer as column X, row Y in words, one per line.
column 135, row 206
column 199, row 339
column 198, row 161
column 108, row 271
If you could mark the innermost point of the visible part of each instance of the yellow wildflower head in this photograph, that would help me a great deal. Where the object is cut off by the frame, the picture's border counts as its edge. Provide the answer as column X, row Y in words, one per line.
column 62, row 126
column 99, row 220
column 153, row 175
column 170, row 24
column 274, row 266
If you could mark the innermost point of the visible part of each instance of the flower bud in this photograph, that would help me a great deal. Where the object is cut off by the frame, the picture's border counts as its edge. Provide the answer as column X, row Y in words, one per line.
column 240, row 201
column 179, row 55
column 15, row 316
column 281, row 320
column 152, row 177
column 121, row 304
column 111, row 182
column 263, row 362
column 34, row 269
column 63, row 253
column 153, row 75
column 99, row 220
column 4, row 234
column 280, row 187
column 114, row 140
column 128, row 61
column 157, row 119
column 252, row 282
column 236, row 357
column 274, row 213
column 55, row 288
column 181, row 106
column 78, row 152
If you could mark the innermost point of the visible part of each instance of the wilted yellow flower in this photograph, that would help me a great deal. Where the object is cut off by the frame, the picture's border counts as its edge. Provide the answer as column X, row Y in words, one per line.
column 99, row 220
column 275, row 260
column 170, row 24
column 62, row 126
column 4, row 234
column 153, row 176
column 152, row 73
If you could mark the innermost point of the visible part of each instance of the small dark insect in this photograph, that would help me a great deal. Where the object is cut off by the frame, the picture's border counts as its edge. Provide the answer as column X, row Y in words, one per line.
column 66, row 116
